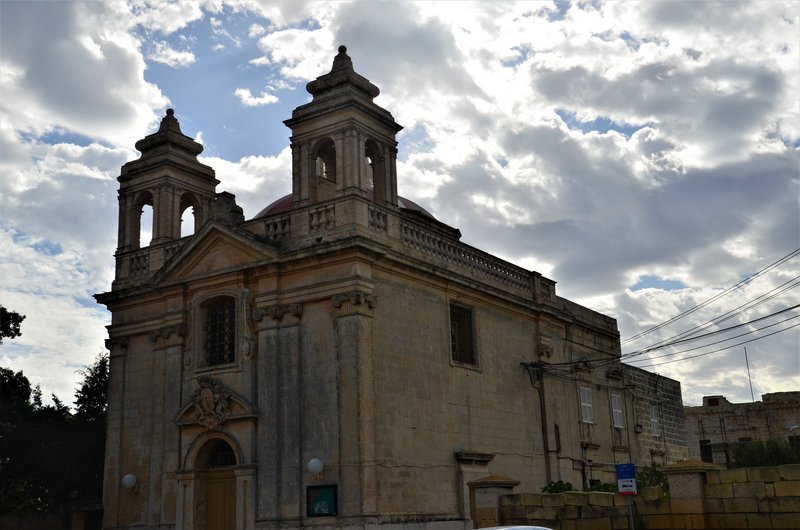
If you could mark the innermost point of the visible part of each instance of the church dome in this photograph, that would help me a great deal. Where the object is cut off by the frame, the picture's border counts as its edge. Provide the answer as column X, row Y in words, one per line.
column 284, row 204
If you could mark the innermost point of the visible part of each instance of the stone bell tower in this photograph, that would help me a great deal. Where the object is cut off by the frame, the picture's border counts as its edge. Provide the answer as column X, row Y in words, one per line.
column 342, row 142
column 167, row 177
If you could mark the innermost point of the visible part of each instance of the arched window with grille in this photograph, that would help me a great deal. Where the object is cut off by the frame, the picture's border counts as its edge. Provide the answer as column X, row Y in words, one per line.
column 220, row 455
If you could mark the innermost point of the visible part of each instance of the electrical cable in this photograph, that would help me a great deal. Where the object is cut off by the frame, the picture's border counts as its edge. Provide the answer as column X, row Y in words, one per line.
column 720, row 349
column 737, row 310
column 627, row 356
column 716, row 297
column 713, row 343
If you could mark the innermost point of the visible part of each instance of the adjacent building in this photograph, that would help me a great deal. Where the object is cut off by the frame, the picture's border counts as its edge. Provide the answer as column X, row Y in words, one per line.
column 716, row 427
column 343, row 358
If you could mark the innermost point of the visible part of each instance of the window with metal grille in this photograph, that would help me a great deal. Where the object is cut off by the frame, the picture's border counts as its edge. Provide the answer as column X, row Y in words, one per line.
column 221, row 455
column 617, row 413
column 462, row 346
column 655, row 421
column 220, row 330
column 587, row 414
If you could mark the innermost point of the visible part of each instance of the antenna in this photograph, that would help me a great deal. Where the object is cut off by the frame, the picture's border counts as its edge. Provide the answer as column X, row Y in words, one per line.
column 748, row 375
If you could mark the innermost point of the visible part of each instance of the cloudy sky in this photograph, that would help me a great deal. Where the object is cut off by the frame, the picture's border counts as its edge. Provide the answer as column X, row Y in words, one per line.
column 643, row 155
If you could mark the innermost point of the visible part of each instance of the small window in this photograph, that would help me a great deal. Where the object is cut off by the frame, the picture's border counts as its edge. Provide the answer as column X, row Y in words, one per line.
column 587, row 415
column 462, row 347
column 220, row 455
column 706, row 453
column 655, row 421
column 617, row 413
column 220, row 331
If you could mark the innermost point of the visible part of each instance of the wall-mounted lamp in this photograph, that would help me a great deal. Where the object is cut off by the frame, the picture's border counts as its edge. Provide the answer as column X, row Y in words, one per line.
column 316, row 466
column 129, row 483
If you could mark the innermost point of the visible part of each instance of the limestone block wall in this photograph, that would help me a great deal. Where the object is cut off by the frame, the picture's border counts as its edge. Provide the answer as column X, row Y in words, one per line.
column 736, row 499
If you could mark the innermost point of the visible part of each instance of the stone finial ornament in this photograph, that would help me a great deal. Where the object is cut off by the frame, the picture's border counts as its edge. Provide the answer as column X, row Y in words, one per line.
column 342, row 75
column 169, row 135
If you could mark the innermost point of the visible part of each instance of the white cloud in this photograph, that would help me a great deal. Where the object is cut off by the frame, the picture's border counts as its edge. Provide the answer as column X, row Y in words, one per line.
column 256, row 30
column 250, row 176
column 167, row 16
column 164, row 54
column 59, row 82
column 249, row 100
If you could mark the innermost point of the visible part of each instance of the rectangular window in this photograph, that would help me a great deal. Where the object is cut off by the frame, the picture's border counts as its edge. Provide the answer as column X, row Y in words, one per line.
column 655, row 421
column 462, row 347
column 220, row 330
column 617, row 412
column 706, row 454
column 587, row 415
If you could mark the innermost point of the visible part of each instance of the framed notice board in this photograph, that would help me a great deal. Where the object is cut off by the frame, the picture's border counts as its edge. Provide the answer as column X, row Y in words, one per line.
column 321, row 501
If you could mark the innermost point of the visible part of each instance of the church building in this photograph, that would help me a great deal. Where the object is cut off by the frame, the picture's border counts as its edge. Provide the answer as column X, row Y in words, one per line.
column 341, row 359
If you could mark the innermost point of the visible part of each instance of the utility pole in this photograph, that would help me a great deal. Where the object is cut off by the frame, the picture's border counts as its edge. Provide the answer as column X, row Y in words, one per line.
column 537, row 368
column 752, row 397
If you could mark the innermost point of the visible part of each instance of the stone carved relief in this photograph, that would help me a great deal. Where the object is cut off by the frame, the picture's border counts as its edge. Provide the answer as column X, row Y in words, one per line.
column 277, row 312
column 355, row 298
column 211, row 402
column 166, row 331
column 122, row 342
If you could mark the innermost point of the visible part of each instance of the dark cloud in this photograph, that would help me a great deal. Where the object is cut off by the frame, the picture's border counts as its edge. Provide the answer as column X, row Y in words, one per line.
column 393, row 48
column 72, row 74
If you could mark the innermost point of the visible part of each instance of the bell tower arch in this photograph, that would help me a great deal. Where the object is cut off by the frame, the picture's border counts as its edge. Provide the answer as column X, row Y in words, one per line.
column 342, row 142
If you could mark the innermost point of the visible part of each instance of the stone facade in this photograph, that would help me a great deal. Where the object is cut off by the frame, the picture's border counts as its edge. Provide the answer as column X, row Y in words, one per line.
column 658, row 415
column 702, row 498
column 341, row 359
column 713, row 429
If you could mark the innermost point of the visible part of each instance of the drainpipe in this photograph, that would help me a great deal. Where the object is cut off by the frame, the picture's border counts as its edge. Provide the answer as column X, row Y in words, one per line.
column 538, row 369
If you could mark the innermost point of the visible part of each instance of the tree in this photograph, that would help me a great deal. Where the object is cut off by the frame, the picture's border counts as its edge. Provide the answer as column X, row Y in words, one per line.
column 91, row 402
column 91, row 399
column 48, row 455
column 10, row 322
column 773, row 452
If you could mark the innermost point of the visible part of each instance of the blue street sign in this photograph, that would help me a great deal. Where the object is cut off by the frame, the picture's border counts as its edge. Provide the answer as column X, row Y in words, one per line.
column 626, row 471
column 626, row 479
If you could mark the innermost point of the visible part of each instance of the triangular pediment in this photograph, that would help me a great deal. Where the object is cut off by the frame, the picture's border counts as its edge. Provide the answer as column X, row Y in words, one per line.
column 215, row 249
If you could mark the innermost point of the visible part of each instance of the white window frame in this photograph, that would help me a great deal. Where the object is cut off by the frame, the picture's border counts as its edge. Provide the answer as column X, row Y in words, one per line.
column 587, row 414
column 617, row 411
column 655, row 421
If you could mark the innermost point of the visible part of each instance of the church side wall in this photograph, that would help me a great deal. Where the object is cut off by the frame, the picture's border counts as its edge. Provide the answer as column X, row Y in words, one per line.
column 432, row 408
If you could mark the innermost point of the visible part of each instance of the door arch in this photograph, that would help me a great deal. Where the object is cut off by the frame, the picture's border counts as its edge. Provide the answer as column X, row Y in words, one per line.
column 217, row 460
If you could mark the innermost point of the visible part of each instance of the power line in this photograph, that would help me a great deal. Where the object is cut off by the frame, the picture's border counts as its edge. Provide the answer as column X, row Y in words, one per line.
column 716, row 297
column 716, row 332
column 688, row 335
column 714, row 343
column 777, row 291
column 720, row 349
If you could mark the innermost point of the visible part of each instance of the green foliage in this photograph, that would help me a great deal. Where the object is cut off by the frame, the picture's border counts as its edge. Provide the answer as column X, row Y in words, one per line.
column 47, row 454
column 557, row 487
column 773, row 452
column 652, row 476
column 10, row 322
column 608, row 487
column 91, row 399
